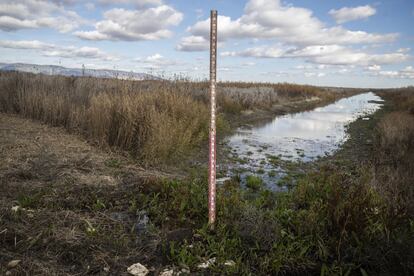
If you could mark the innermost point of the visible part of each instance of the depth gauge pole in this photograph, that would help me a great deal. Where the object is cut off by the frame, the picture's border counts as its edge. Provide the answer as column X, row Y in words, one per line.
column 212, row 140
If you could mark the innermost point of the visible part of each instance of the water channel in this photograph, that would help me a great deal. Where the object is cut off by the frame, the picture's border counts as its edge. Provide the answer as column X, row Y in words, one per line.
column 299, row 137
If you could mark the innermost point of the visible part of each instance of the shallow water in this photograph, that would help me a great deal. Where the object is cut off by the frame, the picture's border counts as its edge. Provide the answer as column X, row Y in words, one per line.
column 301, row 136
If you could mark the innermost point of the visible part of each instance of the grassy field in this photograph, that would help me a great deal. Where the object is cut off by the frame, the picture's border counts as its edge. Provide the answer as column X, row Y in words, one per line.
column 68, row 207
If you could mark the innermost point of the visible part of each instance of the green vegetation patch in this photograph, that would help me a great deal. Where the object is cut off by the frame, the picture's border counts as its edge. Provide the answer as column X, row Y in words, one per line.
column 254, row 182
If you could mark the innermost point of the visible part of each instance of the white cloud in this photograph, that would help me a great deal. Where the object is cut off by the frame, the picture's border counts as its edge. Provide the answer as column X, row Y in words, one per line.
column 404, row 50
column 26, row 44
column 291, row 25
column 374, row 67
column 323, row 55
column 340, row 55
column 304, row 67
column 83, row 52
column 52, row 50
column 343, row 71
column 29, row 14
column 139, row 3
column 257, row 52
column 157, row 61
column 314, row 74
column 248, row 64
column 311, row 67
column 193, row 44
column 350, row 14
column 66, row 2
column 278, row 74
column 133, row 25
column 406, row 73
column 10, row 24
column 89, row 6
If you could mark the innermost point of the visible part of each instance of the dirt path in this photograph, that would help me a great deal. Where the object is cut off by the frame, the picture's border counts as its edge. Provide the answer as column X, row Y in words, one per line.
column 30, row 147
column 67, row 207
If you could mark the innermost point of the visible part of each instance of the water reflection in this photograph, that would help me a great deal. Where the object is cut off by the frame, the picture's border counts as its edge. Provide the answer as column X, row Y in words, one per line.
column 303, row 136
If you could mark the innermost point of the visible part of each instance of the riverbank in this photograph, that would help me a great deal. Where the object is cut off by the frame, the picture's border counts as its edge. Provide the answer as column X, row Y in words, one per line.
column 249, row 118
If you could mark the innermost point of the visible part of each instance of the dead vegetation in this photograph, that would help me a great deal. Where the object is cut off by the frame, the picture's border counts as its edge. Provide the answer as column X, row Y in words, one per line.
column 68, row 208
column 151, row 120
column 394, row 157
column 156, row 121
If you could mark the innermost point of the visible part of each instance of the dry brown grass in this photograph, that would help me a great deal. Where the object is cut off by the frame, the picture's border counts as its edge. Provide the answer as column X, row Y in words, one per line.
column 394, row 155
column 157, row 121
column 396, row 133
column 236, row 97
column 63, row 186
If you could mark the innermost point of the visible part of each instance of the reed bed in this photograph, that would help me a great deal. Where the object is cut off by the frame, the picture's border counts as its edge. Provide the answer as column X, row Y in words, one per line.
column 151, row 120
column 155, row 120
column 394, row 158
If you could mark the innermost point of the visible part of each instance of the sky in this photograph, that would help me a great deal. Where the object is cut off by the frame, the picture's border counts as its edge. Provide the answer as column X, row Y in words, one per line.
column 351, row 43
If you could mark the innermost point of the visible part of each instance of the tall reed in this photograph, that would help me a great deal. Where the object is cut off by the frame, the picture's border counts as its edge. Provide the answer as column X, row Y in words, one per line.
column 155, row 120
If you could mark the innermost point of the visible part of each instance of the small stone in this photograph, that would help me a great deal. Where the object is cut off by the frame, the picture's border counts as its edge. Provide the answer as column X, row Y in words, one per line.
column 137, row 270
column 229, row 263
column 207, row 264
column 8, row 273
column 13, row 264
column 167, row 272
column 184, row 271
column 15, row 209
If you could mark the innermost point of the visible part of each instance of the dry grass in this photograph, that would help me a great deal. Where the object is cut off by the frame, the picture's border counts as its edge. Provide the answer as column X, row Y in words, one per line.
column 235, row 97
column 394, row 155
column 156, row 121
column 74, row 201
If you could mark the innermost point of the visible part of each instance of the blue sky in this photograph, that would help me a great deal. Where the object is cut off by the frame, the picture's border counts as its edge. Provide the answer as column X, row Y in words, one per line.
column 350, row 43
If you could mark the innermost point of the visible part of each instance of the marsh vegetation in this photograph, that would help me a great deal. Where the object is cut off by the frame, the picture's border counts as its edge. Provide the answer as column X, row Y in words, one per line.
column 81, row 203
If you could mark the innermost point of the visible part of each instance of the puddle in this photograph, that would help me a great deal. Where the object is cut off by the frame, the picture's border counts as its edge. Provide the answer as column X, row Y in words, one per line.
column 298, row 137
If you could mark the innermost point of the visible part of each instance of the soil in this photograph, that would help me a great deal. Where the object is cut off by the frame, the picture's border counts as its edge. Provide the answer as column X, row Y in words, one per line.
column 66, row 206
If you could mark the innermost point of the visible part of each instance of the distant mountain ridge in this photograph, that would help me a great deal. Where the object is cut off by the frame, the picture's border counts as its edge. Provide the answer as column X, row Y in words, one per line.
column 63, row 71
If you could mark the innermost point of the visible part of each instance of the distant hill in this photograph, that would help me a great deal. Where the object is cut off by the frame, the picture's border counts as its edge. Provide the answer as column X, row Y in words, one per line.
column 63, row 71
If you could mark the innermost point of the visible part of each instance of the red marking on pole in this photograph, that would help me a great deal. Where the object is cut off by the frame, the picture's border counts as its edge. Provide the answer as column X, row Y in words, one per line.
column 212, row 140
